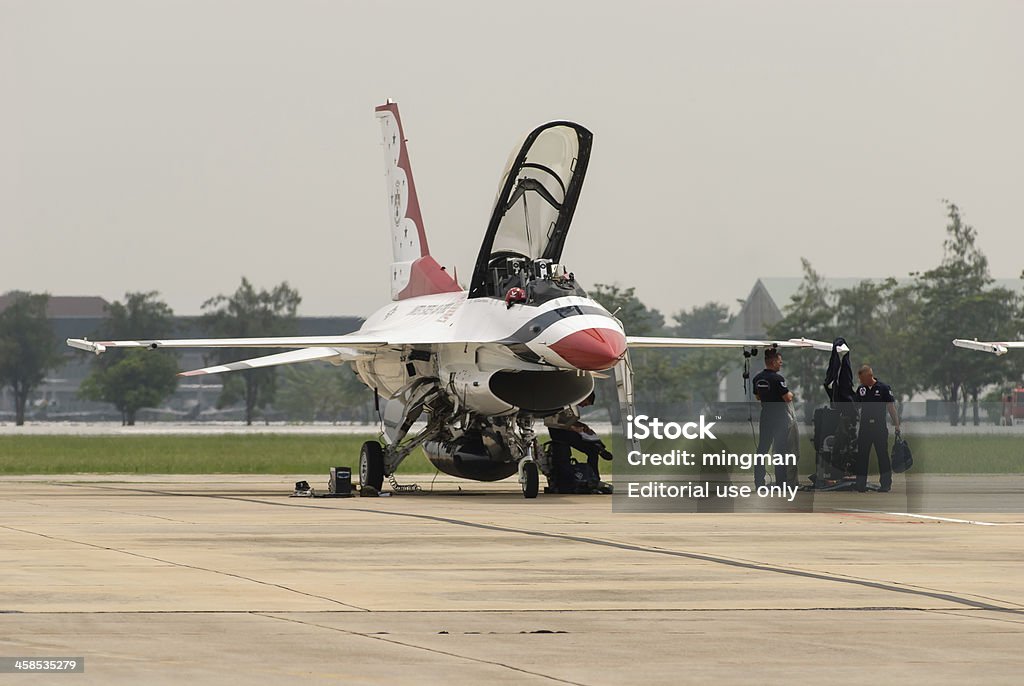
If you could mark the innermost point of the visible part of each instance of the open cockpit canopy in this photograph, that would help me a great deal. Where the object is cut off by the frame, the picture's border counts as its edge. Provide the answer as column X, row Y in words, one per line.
column 533, row 210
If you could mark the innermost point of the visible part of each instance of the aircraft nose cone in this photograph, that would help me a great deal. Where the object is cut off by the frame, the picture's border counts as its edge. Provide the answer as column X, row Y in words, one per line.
column 591, row 349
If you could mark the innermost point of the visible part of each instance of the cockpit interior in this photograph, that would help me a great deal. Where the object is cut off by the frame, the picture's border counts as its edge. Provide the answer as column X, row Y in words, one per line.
column 520, row 280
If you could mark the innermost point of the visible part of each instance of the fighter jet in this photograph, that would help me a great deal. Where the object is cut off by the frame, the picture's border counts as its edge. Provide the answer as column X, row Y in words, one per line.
column 480, row 366
column 994, row 347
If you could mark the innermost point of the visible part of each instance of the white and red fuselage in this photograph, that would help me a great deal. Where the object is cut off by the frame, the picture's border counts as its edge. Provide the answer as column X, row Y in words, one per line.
column 475, row 338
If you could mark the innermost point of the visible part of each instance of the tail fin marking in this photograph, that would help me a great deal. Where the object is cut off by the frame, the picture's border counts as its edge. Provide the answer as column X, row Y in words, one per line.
column 413, row 271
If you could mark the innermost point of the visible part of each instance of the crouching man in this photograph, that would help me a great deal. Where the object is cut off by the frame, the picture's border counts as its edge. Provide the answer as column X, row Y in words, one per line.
column 568, row 432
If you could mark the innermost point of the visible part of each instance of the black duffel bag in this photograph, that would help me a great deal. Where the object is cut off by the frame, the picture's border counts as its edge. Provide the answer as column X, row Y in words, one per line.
column 902, row 458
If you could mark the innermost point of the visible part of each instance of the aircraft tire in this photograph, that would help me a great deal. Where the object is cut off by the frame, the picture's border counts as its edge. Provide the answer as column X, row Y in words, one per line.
column 531, row 484
column 371, row 465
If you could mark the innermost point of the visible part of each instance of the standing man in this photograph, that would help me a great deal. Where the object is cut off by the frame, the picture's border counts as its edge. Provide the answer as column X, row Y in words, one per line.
column 776, row 417
column 875, row 400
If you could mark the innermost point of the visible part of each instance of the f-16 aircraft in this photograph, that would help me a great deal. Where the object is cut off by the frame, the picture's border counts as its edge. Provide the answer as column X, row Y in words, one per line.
column 479, row 366
column 994, row 347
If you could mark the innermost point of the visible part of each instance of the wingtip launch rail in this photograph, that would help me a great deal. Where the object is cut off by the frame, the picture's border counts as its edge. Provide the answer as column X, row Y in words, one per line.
column 994, row 347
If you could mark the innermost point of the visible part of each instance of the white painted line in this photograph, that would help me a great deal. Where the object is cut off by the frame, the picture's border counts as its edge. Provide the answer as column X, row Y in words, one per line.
column 941, row 519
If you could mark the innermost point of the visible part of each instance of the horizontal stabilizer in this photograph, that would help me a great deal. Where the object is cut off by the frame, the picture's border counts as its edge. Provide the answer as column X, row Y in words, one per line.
column 337, row 355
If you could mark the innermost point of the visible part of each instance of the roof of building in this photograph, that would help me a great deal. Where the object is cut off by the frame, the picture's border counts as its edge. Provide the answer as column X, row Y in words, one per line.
column 759, row 311
column 68, row 306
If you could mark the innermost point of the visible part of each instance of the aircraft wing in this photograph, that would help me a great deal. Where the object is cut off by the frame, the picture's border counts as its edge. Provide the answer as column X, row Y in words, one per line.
column 667, row 342
column 356, row 341
column 334, row 349
column 338, row 349
column 994, row 347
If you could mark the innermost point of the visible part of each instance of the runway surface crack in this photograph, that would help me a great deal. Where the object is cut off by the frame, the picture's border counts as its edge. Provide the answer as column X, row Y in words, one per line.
column 436, row 651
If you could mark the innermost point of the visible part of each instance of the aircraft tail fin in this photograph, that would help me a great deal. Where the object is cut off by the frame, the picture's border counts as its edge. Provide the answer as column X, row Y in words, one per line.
column 413, row 271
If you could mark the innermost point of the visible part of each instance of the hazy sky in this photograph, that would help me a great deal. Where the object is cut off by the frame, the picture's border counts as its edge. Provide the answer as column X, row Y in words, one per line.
column 176, row 146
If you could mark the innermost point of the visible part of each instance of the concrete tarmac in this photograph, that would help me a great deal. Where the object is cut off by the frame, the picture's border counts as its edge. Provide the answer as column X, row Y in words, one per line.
column 225, row 579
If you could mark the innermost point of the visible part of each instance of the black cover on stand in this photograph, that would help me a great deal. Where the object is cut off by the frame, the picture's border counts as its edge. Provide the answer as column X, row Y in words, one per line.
column 835, row 426
column 839, row 376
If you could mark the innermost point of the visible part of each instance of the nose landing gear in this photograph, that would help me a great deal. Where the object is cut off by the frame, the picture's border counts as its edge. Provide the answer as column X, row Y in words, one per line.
column 529, row 478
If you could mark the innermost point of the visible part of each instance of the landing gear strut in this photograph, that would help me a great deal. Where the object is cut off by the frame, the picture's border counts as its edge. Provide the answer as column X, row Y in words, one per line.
column 529, row 471
column 371, row 465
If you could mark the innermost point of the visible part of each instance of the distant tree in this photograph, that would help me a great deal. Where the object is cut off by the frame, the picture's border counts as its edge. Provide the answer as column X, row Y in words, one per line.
column 704, row 368
column 321, row 392
column 138, row 379
column 134, row 379
column 141, row 315
column 27, row 348
column 637, row 319
column 857, row 312
column 703, row 321
column 880, row 320
column 810, row 313
column 957, row 300
column 250, row 313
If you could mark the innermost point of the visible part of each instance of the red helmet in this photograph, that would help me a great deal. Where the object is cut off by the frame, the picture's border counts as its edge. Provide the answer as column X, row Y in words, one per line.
column 514, row 296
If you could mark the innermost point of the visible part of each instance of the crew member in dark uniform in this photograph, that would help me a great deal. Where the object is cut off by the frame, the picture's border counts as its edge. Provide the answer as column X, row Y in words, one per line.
column 568, row 432
column 875, row 400
column 776, row 417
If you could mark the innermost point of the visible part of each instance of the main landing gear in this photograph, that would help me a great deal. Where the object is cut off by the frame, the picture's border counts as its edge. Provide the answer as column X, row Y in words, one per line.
column 371, row 465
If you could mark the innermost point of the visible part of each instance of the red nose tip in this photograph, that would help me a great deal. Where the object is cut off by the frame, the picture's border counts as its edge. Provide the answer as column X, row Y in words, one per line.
column 591, row 349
